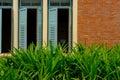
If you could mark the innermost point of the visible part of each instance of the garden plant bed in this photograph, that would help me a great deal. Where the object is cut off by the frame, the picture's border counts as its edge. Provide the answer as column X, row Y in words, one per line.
column 97, row 62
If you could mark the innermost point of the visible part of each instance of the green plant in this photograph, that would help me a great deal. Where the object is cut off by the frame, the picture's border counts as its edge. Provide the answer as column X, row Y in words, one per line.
column 97, row 62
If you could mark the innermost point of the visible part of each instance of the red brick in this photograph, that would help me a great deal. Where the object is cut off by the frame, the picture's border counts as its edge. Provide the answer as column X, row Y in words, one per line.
column 99, row 21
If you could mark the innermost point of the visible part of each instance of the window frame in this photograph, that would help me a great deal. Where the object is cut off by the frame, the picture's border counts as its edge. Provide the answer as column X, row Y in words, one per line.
column 6, row 6
column 70, row 31
column 30, row 6
column 60, row 6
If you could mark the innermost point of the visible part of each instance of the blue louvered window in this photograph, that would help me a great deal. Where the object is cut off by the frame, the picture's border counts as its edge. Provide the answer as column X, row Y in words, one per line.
column 55, row 25
column 28, row 9
column 23, row 28
column 52, row 33
column 39, row 27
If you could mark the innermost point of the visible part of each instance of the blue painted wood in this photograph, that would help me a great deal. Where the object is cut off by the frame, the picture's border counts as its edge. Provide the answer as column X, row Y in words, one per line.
column 23, row 28
column 39, row 26
column 52, row 33
column 0, row 30
column 70, row 20
column 5, row 6
column 30, row 7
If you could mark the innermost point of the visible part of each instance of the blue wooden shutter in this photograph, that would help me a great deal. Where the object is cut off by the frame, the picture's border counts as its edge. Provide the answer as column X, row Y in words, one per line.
column 0, row 30
column 23, row 28
column 52, row 33
column 39, row 27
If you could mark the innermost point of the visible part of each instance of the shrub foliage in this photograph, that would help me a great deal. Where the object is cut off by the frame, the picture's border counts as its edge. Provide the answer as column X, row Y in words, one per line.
column 48, row 63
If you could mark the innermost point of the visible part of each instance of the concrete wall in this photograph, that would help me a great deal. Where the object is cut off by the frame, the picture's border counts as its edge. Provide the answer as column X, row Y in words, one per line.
column 75, row 25
column 99, row 21
column 45, row 21
column 15, row 23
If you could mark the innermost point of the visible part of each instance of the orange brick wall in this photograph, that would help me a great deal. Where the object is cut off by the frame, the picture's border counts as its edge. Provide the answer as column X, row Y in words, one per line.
column 99, row 21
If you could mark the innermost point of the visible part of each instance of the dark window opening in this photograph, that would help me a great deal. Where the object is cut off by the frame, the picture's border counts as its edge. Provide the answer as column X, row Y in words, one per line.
column 59, row 2
column 0, row 3
column 63, row 26
column 25, row 2
column 7, row 2
column 30, row 2
column 65, row 4
column 31, row 26
column 6, row 30
column 36, row 3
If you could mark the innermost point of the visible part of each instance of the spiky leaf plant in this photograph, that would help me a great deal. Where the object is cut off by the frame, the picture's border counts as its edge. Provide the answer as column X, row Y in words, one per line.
column 96, row 62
